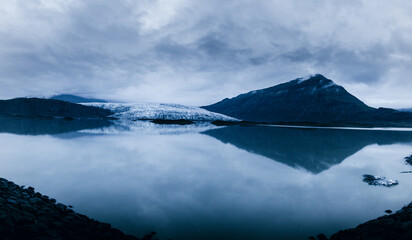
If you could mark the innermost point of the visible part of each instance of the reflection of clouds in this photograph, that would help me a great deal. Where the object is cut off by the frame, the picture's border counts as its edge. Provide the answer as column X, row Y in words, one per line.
column 191, row 186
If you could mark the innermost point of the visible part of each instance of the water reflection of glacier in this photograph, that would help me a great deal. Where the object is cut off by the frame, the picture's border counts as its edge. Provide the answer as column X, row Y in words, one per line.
column 147, row 127
column 76, row 128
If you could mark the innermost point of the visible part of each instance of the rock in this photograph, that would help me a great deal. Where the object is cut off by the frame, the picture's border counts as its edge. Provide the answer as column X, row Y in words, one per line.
column 10, row 200
column 388, row 211
column 178, row 121
column 408, row 160
column 322, row 237
column 379, row 181
column 406, row 225
column 226, row 123
column 61, row 206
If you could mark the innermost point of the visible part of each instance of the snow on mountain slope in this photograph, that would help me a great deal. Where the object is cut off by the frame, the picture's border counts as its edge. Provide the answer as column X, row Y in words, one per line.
column 146, row 111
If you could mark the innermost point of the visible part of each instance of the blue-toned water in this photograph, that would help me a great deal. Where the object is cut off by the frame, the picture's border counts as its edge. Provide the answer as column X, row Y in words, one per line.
column 204, row 182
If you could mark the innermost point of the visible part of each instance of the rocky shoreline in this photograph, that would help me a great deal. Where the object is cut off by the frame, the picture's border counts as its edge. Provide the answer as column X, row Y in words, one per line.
column 389, row 227
column 26, row 214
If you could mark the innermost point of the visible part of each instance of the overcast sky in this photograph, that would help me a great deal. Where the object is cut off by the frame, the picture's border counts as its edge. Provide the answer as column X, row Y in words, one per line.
column 198, row 52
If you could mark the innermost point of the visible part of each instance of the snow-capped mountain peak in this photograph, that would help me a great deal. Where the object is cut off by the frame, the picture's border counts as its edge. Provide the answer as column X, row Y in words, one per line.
column 305, row 78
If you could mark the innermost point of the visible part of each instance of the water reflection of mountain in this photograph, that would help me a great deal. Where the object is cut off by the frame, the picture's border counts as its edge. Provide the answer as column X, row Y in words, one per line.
column 40, row 126
column 313, row 149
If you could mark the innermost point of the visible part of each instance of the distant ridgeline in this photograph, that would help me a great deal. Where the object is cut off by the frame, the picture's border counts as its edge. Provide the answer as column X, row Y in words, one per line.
column 406, row 110
column 49, row 108
column 76, row 99
column 315, row 100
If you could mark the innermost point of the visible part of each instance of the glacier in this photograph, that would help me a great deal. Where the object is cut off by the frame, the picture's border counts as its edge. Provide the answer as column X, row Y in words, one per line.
column 150, row 111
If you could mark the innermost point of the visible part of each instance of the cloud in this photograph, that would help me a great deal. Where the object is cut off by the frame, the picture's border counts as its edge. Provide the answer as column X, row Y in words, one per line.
column 196, row 52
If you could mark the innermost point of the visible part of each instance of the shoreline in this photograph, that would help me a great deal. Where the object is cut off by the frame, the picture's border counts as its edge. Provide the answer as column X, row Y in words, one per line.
column 313, row 125
column 392, row 226
column 397, row 225
column 26, row 214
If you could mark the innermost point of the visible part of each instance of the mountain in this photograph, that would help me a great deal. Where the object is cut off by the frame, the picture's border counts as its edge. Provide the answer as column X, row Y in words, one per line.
column 151, row 111
column 76, row 99
column 313, row 100
column 312, row 149
column 406, row 110
column 37, row 107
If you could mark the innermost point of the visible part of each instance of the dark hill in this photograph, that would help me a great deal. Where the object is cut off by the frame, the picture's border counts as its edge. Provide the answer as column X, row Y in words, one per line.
column 406, row 110
column 75, row 99
column 316, row 100
column 37, row 107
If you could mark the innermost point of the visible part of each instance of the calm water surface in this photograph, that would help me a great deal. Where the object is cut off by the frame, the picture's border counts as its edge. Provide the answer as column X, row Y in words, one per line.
column 203, row 182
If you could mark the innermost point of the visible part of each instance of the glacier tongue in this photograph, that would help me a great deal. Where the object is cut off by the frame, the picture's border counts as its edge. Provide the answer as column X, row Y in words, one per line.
column 147, row 111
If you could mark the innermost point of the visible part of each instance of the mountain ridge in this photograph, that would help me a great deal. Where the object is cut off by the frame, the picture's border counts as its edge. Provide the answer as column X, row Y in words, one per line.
column 405, row 110
column 314, row 100
column 76, row 99
column 49, row 108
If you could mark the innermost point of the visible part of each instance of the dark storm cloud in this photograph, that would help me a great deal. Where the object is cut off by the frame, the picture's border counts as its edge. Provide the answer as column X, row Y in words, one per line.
column 198, row 52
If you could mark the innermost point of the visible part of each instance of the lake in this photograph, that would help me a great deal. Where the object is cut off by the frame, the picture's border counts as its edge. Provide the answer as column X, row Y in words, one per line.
column 206, row 182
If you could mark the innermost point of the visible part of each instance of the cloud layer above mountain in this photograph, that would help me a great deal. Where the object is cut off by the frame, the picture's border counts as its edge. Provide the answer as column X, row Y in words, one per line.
column 197, row 52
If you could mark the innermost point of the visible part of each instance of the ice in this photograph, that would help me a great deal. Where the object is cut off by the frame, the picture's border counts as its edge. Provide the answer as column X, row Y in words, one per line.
column 146, row 111
column 379, row 181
